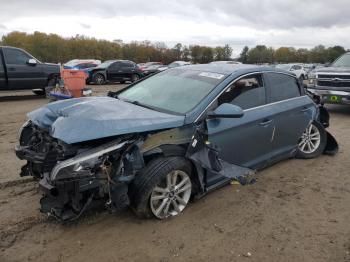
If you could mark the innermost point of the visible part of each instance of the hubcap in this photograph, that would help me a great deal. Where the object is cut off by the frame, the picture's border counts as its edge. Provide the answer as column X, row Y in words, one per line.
column 171, row 196
column 310, row 140
column 99, row 79
column 135, row 78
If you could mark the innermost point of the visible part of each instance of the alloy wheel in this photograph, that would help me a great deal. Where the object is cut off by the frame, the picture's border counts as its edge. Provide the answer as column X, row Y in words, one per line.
column 99, row 79
column 170, row 196
column 310, row 140
column 135, row 78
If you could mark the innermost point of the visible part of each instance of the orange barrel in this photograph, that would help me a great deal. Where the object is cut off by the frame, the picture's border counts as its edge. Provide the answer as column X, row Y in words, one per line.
column 74, row 81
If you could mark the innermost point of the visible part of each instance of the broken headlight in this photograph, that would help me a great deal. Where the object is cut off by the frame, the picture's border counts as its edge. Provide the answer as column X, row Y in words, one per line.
column 82, row 164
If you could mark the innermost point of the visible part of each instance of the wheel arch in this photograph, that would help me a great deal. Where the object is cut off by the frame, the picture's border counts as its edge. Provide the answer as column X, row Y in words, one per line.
column 102, row 72
column 169, row 150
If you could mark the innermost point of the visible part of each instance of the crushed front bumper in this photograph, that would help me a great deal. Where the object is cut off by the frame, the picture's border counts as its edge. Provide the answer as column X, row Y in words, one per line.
column 331, row 96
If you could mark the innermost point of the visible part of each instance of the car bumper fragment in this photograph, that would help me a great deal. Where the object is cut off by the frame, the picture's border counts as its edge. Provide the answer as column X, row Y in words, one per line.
column 331, row 96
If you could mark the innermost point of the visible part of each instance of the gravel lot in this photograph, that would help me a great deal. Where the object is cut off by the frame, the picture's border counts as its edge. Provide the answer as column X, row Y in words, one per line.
column 297, row 211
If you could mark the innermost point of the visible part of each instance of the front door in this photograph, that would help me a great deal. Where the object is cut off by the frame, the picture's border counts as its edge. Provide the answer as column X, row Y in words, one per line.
column 22, row 75
column 114, row 72
column 244, row 141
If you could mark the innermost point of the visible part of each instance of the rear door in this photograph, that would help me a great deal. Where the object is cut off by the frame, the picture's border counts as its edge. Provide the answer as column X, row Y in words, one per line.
column 128, row 69
column 2, row 73
column 22, row 75
column 293, row 111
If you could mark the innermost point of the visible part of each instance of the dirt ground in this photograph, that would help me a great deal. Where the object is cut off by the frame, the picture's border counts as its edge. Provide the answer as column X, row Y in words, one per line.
column 297, row 211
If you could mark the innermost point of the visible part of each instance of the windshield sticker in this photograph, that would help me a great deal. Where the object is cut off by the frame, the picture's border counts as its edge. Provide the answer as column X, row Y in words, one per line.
column 211, row 75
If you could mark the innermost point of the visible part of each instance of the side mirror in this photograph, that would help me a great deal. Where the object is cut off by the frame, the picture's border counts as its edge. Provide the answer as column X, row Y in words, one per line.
column 226, row 111
column 327, row 64
column 32, row 62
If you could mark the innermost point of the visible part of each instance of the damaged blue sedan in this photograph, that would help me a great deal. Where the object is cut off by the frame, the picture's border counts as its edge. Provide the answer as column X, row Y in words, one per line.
column 168, row 138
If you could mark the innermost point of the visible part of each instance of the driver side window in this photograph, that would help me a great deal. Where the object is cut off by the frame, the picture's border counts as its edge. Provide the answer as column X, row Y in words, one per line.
column 247, row 92
column 15, row 56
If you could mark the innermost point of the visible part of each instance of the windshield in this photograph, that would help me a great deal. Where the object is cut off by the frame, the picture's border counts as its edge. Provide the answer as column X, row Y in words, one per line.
column 105, row 64
column 172, row 65
column 343, row 61
column 283, row 67
column 176, row 90
column 71, row 63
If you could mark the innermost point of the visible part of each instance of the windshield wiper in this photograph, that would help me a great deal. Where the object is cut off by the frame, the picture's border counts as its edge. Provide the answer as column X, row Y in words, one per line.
column 135, row 102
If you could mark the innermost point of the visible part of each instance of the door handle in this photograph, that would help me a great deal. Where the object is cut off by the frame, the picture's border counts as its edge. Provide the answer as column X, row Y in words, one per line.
column 265, row 122
column 11, row 69
column 305, row 109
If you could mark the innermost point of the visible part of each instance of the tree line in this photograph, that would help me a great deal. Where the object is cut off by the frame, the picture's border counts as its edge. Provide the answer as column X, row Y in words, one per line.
column 262, row 54
column 56, row 49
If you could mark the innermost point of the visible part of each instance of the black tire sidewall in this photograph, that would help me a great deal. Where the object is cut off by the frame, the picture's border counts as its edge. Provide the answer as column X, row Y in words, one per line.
column 156, row 170
column 320, row 148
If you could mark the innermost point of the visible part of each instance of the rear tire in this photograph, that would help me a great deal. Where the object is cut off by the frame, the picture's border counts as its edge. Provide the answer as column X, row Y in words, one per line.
column 312, row 142
column 152, row 184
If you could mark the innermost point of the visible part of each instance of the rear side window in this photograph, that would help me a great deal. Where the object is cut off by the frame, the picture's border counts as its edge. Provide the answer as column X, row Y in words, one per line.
column 127, row 64
column 282, row 87
column 15, row 56
column 248, row 92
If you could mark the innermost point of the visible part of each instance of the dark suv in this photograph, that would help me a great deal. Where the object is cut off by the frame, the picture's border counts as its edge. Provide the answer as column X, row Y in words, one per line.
column 115, row 71
column 332, row 84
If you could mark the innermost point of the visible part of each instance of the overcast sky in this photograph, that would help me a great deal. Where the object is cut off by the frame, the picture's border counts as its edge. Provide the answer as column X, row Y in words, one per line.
column 299, row 23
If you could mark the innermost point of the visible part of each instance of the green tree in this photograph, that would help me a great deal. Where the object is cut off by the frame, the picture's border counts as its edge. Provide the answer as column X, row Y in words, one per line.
column 243, row 57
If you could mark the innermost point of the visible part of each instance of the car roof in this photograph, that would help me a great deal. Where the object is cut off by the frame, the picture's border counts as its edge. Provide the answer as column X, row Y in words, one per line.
column 117, row 60
column 228, row 69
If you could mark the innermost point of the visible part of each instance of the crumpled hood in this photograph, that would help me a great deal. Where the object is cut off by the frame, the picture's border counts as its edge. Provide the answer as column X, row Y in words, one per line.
column 333, row 70
column 82, row 119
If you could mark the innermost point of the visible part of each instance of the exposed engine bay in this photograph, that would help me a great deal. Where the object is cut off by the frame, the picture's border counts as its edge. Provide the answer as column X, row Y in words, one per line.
column 71, row 176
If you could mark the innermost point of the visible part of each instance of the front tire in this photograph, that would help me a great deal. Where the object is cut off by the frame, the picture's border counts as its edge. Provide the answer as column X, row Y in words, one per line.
column 312, row 142
column 99, row 79
column 162, row 189
column 134, row 78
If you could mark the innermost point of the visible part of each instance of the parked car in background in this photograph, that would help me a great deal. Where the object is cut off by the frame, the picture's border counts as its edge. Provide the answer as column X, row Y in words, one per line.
column 332, row 84
column 297, row 69
column 179, row 134
column 20, row 70
column 226, row 62
column 144, row 66
column 173, row 65
column 81, row 64
column 114, row 71
column 151, row 69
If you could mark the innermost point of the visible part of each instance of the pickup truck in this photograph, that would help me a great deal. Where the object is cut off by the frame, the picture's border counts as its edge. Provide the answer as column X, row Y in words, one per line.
column 331, row 84
column 19, row 71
